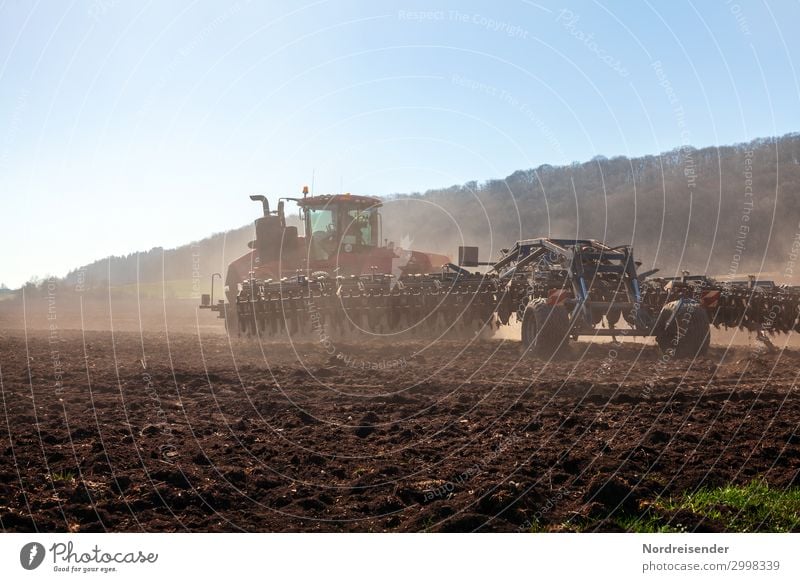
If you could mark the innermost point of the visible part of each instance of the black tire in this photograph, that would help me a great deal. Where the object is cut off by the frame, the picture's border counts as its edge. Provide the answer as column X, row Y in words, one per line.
column 231, row 320
column 613, row 316
column 688, row 334
column 528, row 326
column 545, row 328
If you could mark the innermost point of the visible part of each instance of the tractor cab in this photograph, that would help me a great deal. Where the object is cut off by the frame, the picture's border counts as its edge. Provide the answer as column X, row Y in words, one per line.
column 340, row 223
column 342, row 237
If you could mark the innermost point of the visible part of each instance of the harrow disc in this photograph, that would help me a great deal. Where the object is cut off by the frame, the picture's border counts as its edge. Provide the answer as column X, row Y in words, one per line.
column 416, row 306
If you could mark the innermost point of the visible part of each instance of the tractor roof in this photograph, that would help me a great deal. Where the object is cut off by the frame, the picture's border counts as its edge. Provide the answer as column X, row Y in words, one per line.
column 329, row 199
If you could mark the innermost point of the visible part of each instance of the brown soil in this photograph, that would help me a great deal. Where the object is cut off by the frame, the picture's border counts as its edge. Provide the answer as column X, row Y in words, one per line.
column 181, row 431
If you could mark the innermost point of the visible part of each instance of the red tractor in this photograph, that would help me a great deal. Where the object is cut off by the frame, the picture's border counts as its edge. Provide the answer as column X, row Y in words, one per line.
column 342, row 238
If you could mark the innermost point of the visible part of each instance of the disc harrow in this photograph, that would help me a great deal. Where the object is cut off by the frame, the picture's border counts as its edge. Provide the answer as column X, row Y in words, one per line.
column 752, row 305
column 445, row 304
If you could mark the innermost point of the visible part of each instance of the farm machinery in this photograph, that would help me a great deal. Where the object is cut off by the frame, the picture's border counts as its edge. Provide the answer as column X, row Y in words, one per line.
column 341, row 279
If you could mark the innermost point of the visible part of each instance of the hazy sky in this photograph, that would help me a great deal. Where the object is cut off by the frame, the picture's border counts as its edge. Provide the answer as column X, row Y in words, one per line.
column 127, row 125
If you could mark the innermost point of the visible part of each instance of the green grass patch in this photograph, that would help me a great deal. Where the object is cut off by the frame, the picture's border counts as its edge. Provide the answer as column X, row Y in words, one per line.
column 750, row 508
column 649, row 521
column 537, row 527
column 646, row 524
column 63, row 476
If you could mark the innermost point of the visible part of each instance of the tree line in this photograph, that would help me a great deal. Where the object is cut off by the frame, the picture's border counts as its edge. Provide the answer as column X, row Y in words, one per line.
column 729, row 210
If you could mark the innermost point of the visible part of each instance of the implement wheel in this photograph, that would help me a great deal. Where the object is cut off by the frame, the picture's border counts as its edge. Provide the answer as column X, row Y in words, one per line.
column 545, row 328
column 231, row 320
column 688, row 334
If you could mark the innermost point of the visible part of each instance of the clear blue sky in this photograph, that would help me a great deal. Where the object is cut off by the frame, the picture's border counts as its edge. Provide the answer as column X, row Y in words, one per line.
column 127, row 125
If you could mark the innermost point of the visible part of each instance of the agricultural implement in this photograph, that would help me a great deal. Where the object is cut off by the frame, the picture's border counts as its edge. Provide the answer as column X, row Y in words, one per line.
column 341, row 280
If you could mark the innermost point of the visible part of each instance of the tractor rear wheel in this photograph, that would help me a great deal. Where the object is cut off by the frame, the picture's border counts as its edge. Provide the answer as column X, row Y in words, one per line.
column 231, row 320
column 686, row 331
column 545, row 328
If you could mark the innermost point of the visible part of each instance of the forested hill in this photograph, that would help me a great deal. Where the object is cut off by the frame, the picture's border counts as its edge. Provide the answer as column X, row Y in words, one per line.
column 715, row 210
column 181, row 272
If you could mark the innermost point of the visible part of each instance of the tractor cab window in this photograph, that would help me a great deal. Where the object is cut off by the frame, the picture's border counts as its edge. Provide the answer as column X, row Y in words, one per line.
column 359, row 226
column 321, row 220
column 321, row 227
